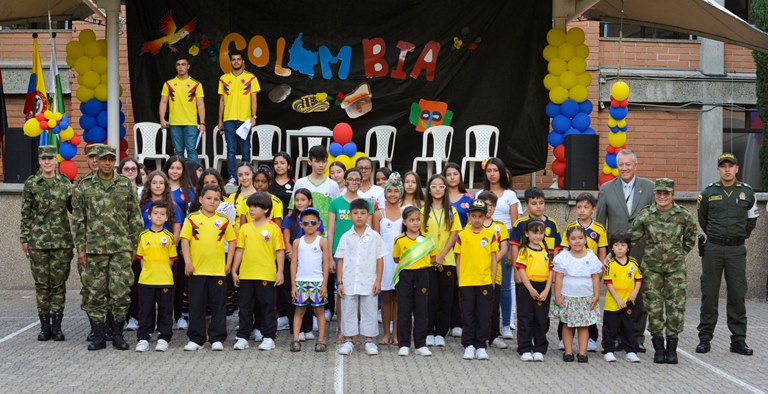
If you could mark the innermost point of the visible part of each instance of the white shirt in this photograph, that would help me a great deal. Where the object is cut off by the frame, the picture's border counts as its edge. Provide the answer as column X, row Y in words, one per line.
column 504, row 205
column 227, row 209
column 310, row 266
column 375, row 193
column 577, row 273
column 360, row 255
column 629, row 191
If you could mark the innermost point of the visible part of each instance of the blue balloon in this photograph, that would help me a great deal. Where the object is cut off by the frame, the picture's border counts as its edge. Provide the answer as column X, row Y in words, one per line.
column 553, row 109
column 349, row 149
column 86, row 136
column 82, row 108
column 56, row 130
column 624, row 128
column 64, row 123
column 98, row 134
column 610, row 159
column 103, row 105
column 585, row 107
column 67, row 150
column 122, row 131
column 122, row 117
column 589, row 131
column 555, row 139
column 569, row 108
column 92, row 107
column 618, row 113
column 102, row 120
column 335, row 149
column 561, row 123
column 581, row 121
column 87, row 122
column 572, row 131
column 615, row 129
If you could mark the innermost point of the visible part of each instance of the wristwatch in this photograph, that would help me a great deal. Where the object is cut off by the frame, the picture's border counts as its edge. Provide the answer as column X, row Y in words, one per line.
column 341, row 282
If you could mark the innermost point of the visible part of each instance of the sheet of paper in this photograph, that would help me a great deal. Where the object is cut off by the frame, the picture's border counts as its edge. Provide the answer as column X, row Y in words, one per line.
column 199, row 137
column 244, row 130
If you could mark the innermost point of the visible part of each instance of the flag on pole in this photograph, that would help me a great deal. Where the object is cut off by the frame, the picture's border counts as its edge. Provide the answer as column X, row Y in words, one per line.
column 3, row 120
column 37, row 97
column 56, row 98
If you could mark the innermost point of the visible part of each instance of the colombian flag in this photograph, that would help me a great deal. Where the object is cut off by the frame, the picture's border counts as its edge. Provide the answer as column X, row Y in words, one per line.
column 37, row 97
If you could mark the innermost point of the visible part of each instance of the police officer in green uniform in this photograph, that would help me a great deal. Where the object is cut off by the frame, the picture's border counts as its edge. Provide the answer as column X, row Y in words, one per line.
column 106, row 223
column 46, row 239
column 727, row 214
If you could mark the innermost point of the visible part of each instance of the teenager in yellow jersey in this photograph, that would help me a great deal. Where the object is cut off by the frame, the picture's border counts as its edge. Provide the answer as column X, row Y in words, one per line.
column 157, row 252
column 623, row 279
column 183, row 96
column 476, row 258
column 202, row 244
column 237, row 104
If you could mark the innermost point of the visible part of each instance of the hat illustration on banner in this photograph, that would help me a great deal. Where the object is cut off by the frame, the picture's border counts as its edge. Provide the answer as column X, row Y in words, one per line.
column 279, row 93
column 311, row 103
column 358, row 102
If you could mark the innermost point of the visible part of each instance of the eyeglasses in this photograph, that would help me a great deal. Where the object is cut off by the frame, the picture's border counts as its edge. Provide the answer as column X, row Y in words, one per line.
column 437, row 187
column 364, row 169
column 354, row 180
column 130, row 169
column 309, row 222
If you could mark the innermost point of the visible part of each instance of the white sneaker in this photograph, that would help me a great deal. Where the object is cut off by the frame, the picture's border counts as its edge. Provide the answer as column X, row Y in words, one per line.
column 482, row 354
column 282, row 323
column 217, row 346
column 371, row 349
column 527, row 356
column 404, row 351
column 538, row 357
column 561, row 345
column 162, row 345
column 232, row 182
column 456, row 332
column 267, row 344
column 256, row 335
column 512, row 325
column 142, row 346
column 302, row 337
column 632, row 357
column 423, row 351
column 499, row 343
column 469, row 353
column 182, row 324
column 506, row 333
column 191, row 346
column 308, row 336
column 609, row 357
column 241, row 344
column 591, row 345
column 439, row 341
column 328, row 316
column 132, row 325
column 346, row 348
column 430, row 340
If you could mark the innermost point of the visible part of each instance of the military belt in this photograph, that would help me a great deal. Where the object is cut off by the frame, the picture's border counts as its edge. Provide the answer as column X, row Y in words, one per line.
column 725, row 241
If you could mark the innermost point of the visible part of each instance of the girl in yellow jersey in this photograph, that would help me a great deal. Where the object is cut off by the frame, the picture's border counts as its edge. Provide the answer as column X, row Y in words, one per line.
column 535, row 272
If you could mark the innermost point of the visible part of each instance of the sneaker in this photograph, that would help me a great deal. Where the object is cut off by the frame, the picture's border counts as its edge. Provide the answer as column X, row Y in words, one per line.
column 561, row 345
column 346, row 348
column 241, row 344
column 231, row 182
column 538, row 357
column 308, row 336
column 217, row 346
column 191, row 346
column 430, row 340
column 482, row 354
column 527, row 356
column 282, row 323
column 591, row 345
column 132, row 325
column 405, row 350
column 142, row 346
column 162, row 345
column 423, row 351
column 456, row 332
column 499, row 343
column 302, row 337
column 182, row 324
column 506, row 332
column 267, row 344
column 328, row 316
column 256, row 335
column 371, row 349
column 610, row 357
column 512, row 323
column 469, row 353
column 632, row 357
column 439, row 341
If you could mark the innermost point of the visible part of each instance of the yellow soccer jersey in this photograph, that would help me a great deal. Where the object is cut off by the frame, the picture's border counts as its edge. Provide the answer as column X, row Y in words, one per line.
column 403, row 243
column 436, row 226
column 502, row 234
column 276, row 214
column 596, row 236
column 475, row 249
column 536, row 263
column 182, row 100
column 157, row 250
column 260, row 246
column 623, row 278
column 206, row 237
column 237, row 90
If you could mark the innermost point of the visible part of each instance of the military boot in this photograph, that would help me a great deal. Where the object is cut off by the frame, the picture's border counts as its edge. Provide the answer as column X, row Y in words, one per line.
column 45, row 327
column 659, row 357
column 671, row 350
column 98, row 342
column 56, row 332
column 108, row 327
column 91, row 334
column 118, row 342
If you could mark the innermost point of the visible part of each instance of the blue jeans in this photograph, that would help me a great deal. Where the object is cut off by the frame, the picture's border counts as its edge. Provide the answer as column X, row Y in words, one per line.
column 507, row 290
column 233, row 142
column 185, row 137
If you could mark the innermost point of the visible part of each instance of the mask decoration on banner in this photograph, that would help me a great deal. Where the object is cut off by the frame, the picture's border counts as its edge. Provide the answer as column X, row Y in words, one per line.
column 464, row 38
column 617, row 122
column 342, row 148
column 428, row 113
column 358, row 102
column 311, row 103
column 171, row 35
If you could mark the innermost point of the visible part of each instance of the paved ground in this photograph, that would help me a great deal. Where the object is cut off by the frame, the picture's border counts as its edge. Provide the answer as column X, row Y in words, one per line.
column 31, row 366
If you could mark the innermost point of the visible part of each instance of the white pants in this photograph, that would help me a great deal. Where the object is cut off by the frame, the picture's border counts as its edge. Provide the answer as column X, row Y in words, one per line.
column 369, row 324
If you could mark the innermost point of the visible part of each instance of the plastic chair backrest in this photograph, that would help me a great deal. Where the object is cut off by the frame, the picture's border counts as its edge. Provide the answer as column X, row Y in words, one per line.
column 442, row 137
column 266, row 134
column 483, row 134
column 148, row 132
column 383, row 136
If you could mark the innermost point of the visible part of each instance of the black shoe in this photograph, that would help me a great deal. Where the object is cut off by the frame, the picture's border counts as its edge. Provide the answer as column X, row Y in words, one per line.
column 98, row 341
column 568, row 357
column 582, row 358
column 659, row 356
column 671, row 350
column 703, row 346
column 640, row 348
column 56, row 332
column 45, row 327
column 118, row 342
column 741, row 348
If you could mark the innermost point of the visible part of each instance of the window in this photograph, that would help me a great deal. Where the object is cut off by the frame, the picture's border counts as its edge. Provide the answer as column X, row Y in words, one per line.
column 56, row 25
column 743, row 136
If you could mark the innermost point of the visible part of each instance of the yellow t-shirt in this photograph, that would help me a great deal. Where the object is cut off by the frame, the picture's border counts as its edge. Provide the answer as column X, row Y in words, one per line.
column 182, row 100
column 475, row 268
column 158, row 250
column 597, row 237
column 503, row 236
column 206, row 237
column 403, row 243
column 237, row 90
column 436, row 226
column 260, row 246
column 623, row 278
column 276, row 214
column 536, row 264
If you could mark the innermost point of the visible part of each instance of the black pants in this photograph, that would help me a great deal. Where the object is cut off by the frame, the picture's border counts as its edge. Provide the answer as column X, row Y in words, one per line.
column 263, row 294
column 456, row 311
column 442, row 285
column 618, row 325
column 495, row 314
column 412, row 296
column 331, row 305
column 532, row 320
column 133, row 309
column 476, row 303
column 284, row 299
column 155, row 309
column 639, row 318
column 179, row 285
column 207, row 293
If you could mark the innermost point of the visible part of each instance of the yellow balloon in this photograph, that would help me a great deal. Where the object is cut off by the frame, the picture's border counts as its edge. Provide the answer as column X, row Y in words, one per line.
column 57, row 116
column 582, row 51
column 59, row 158
column 584, row 79
column 617, row 140
column 578, row 93
column 75, row 50
column 556, row 37
column 357, row 156
column 120, row 88
column 568, row 79
column 620, row 91
column 83, row 64
column 102, row 47
column 52, row 123
column 92, row 49
column 84, row 94
column 565, row 51
column 621, row 123
column 550, row 52
column 576, row 65
column 551, row 81
column 86, row 36
column 615, row 172
column 556, row 66
column 558, row 94
column 101, row 92
column 71, row 61
column 611, row 122
column 104, row 78
column 67, row 134
column 48, row 114
column 90, row 79
column 32, row 128
column 575, row 36
column 99, row 64
column 331, row 159
column 606, row 169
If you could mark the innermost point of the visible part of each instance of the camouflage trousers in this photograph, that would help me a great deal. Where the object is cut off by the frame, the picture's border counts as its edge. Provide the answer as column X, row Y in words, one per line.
column 664, row 298
column 107, row 280
column 50, row 270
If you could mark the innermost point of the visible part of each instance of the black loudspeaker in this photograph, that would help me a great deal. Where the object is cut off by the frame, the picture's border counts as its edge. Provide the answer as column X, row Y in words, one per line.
column 581, row 162
column 20, row 155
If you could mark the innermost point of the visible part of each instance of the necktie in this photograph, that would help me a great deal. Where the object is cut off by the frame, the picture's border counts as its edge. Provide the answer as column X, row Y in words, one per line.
column 628, row 197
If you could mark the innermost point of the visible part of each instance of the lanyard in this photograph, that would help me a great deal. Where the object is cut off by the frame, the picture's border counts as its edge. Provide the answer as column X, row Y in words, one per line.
column 434, row 216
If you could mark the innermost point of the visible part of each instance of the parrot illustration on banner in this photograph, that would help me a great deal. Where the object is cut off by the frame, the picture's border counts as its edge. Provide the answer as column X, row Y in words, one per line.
column 172, row 36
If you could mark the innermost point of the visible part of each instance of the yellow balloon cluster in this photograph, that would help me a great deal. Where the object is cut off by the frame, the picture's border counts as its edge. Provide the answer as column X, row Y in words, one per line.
column 348, row 161
column 88, row 56
column 567, row 69
column 617, row 123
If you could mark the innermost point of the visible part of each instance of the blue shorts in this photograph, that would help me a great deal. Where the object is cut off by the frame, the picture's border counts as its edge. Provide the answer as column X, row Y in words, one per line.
column 310, row 294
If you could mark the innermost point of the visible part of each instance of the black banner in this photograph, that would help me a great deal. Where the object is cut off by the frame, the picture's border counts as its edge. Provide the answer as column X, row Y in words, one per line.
column 481, row 58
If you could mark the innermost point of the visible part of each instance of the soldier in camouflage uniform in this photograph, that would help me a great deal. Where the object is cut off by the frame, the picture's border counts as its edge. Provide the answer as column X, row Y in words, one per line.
column 670, row 233
column 46, row 240
column 107, row 222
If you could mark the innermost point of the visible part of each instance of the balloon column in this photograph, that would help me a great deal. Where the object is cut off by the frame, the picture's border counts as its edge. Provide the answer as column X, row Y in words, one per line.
column 87, row 56
column 57, row 123
column 342, row 148
column 567, row 81
column 617, row 122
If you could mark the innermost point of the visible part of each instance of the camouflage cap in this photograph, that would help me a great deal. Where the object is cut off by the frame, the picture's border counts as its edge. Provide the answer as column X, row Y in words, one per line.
column 664, row 184
column 93, row 149
column 46, row 151
column 727, row 156
column 478, row 205
column 107, row 150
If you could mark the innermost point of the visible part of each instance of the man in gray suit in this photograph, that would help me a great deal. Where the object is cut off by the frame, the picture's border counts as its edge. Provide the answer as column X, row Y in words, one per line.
column 618, row 203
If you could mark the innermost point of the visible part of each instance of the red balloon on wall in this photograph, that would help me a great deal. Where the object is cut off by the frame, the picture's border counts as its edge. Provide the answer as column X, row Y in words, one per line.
column 558, row 168
column 561, row 182
column 342, row 133
column 559, row 152
column 605, row 178
column 68, row 168
column 123, row 145
column 75, row 140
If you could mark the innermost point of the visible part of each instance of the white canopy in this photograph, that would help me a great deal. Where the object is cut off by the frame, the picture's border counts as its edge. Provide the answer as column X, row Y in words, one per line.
column 37, row 10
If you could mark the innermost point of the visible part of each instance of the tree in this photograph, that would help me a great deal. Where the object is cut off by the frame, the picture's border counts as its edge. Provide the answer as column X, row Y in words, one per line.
column 760, row 16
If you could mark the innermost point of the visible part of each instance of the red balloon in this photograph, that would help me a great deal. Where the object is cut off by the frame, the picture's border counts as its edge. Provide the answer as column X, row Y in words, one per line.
column 561, row 182
column 559, row 152
column 75, row 140
column 603, row 178
column 624, row 103
column 68, row 168
column 40, row 117
column 44, row 125
column 610, row 149
column 123, row 145
column 558, row 167
column 342, row 133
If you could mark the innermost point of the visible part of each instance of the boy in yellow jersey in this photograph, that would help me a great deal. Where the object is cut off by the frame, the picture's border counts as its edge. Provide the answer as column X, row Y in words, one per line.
column 623, row 279
column 500, row 229
column 157, row 252
column 183, row 96
column 259, row 244
column 202, row 244
column 476, row 259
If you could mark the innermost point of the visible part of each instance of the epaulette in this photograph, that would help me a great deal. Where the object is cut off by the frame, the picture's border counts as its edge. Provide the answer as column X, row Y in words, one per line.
column 746, row 185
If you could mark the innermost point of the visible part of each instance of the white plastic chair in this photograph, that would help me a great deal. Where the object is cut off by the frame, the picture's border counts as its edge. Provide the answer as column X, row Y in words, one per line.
column 301, row 159
column 483, row 134
column 201, row 152
column 148, row 132
column 442, row 137
column 384, row 151
column 266, row 136
column 218, row 158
